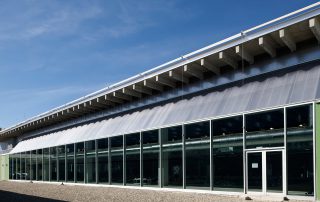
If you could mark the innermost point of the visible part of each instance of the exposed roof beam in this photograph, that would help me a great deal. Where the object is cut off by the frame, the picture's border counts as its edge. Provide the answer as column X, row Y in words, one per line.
column 141, row 89
column 152, row 85
column 102, row 100
column 267, row 46
column 244, row 54
column 314, row 25
column 227, row 59
column 287, row 39
column 208, row 65
column 179, row 77
column 113, row 99
column 122, row 96
column 193, row 71
column 165, row 81
column 131, row 92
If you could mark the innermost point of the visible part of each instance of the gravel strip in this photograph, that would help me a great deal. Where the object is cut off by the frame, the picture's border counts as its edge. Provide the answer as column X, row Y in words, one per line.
column 17, row 191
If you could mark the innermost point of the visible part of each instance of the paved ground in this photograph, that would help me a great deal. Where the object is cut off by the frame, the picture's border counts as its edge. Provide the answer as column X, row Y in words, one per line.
column 17, row 191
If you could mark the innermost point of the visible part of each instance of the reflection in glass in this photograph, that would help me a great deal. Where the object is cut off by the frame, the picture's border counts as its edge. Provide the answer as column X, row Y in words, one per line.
column 39, row 164
column 46, row 162
column 172, row 156
column 102, row 148
column 70, row 162
column 18, row 167
column 274, row 171
column 80, row 162
column 91, row 161
column 197, row 155
column 62, row 163
column 133, row 159
column 53, row 164
column 150, row 158
column 265, row 129
column 227, row 143
column 117, row 160
column 28, row 165
column 22, row 174
column 255, row 172
column 33, row 167
column 300, row 150
column 11, row 166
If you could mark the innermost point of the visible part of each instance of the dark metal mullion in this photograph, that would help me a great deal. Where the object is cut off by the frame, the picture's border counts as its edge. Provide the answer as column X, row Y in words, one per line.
column 124, row 177
column 96, row 160
column 183, row 158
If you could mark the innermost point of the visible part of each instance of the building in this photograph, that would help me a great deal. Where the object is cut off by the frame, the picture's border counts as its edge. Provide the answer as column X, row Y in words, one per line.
column 240, row 116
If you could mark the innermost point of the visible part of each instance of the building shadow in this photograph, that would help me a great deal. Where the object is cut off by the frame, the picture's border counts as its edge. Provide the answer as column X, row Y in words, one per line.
column 17, row 197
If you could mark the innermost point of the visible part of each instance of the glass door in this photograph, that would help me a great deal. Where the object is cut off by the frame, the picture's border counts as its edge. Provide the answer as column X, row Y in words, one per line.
column 265, row 171
column 254, row 167
column 274, row 171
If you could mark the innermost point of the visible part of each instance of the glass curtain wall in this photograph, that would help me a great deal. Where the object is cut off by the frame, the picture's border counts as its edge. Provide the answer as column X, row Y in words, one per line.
column 265, row 129
column 91, row 161
column 28, row 165
column 11, row 166
column 23, row 166
column 80, row 162
column 46, row 164
column 197, row 149
column 172, row 157
column 227, row 154
column 18, row 167
column 39, row 165
column 62, row 163
column 33, row 167
column 151, row 151
column 117, row 160
column 53, row 164
column 300, row 150
column 103, row 165
column 70, row 162
column 133, row 159
column 262, row 130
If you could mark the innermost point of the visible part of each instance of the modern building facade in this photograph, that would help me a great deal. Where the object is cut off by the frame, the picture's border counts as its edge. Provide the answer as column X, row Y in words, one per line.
column 240, row 116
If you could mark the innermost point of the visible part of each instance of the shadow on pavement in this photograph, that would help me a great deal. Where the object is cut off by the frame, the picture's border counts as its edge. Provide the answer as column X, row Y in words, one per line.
column 16, row 197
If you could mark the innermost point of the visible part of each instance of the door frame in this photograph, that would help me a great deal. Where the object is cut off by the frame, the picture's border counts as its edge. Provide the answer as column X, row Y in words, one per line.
column 264, row 171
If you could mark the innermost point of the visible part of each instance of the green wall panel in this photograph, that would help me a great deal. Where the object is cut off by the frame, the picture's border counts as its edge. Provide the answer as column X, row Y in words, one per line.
column 4, row 169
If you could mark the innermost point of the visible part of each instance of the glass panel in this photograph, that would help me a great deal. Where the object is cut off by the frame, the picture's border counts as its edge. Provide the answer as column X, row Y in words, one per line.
column 117, row 160
column 172, row 157
column 80, row 162
column 62, row 162
column 10, row 166
column 133, row 159
column 53, row 163
column 28, row 165
column 227, row 137
column 151, row 150
column 33, row 167
column 197, row 155
column 255, row 172
column 102, row 147
column 46, row 172
column 91, row 161
column 300, row 150
column 39, row 164
column 70, row 162
column 265, row 129
column 18, row 167
column 274, row 171
column 23, row 166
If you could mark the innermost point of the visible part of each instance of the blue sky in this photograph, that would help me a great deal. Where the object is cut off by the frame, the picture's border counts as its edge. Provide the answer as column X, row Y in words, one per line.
column 55, row 51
